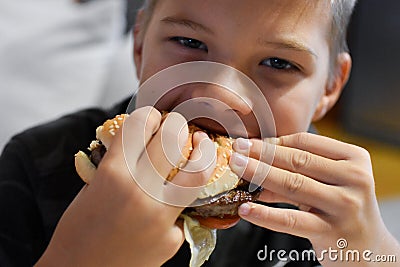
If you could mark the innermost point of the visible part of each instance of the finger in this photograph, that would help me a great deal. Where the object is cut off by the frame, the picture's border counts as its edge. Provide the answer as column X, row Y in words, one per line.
column 137, row 130
column 201, row 163
column 173, row 240
column 294, row 186
column 325, row 147
column 127, row 145
column 188, row 182
column 178, row 232
column 169, row 146
column 160, row 157
column 294, row 222
column 267, row 196
column 319, row 145
column 299, row 161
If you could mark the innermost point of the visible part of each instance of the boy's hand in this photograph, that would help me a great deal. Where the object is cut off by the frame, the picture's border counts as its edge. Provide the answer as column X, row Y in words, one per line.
column 112, row 222
column 330, row 181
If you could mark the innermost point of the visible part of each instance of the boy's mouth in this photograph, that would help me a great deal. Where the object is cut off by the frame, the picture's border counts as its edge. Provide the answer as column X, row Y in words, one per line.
column 210, row 114
column 213, row 126
column 210, row 125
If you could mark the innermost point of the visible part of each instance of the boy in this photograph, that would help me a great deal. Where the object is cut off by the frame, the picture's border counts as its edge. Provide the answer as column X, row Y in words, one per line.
column 294, row 50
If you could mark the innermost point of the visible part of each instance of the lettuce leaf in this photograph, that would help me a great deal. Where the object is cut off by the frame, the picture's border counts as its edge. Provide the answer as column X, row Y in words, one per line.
column 202, row 240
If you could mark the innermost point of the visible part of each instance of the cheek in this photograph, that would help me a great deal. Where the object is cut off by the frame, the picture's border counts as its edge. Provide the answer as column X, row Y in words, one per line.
column 293, row 111
column 154, row 59
column 152, row 64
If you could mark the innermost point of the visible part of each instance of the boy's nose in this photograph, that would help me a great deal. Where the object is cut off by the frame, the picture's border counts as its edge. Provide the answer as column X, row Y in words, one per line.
column 219, row 99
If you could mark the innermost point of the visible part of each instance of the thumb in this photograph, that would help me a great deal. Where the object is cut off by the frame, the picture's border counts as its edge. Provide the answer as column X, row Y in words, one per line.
column 189, row 181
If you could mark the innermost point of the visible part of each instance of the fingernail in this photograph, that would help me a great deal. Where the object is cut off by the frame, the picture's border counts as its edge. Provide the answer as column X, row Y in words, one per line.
column 239, row 160
column 244, row 209
column 243, row 145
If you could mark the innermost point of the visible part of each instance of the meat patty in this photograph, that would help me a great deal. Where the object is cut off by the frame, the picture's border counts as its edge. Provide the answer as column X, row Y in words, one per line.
column 97, row 154
column 226, row 204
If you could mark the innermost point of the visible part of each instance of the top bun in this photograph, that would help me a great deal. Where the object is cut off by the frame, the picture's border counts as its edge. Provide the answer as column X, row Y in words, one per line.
column 107, row 131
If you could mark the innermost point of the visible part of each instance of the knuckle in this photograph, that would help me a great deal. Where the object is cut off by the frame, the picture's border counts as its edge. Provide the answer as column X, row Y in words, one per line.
column 302, row 139
column 173, row 124
column 290, row 220
column 362, row 178
column 108, row 168
column 293, row 182
column 267, row 153
column 362, row 154
column 350, row 202
column 300, row 160
column 147, row 116
column 146, row 112
column 172, row 241
column 176, row 116
column 367, row 183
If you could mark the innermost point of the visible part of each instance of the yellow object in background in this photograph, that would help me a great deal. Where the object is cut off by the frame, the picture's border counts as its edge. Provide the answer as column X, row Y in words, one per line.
column 385, row 158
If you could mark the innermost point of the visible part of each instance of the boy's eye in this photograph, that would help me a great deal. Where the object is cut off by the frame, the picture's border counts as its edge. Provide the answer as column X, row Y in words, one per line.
column 277, row 63
column 190, row 43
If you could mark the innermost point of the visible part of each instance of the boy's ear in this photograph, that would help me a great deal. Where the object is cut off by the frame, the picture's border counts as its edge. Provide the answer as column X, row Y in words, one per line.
column 138, row 35
column 334, row 86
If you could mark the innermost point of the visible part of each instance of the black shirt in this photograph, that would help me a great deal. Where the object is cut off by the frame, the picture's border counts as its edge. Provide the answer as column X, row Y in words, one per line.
column 38, row 181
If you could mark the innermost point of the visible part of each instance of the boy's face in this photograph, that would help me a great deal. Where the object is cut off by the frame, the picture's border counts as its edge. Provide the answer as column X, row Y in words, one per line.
column 282, row 45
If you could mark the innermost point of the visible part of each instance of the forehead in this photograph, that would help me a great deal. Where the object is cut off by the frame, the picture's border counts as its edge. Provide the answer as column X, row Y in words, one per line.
column 284, row 13
column 306, row 20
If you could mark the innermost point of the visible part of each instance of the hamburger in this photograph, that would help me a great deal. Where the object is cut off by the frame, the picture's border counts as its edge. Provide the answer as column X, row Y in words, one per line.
column 221, row 197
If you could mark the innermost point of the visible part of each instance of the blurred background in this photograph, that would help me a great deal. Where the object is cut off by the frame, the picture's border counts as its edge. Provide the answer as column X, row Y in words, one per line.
column 58, row 56
column 368, row 113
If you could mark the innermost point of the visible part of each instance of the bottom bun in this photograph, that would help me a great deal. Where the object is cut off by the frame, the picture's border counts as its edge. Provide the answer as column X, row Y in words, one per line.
column 226, row 222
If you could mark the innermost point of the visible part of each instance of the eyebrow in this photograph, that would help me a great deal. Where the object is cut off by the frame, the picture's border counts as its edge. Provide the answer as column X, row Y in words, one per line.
column 285, row 44
column 187, row 23
column 289, row 44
